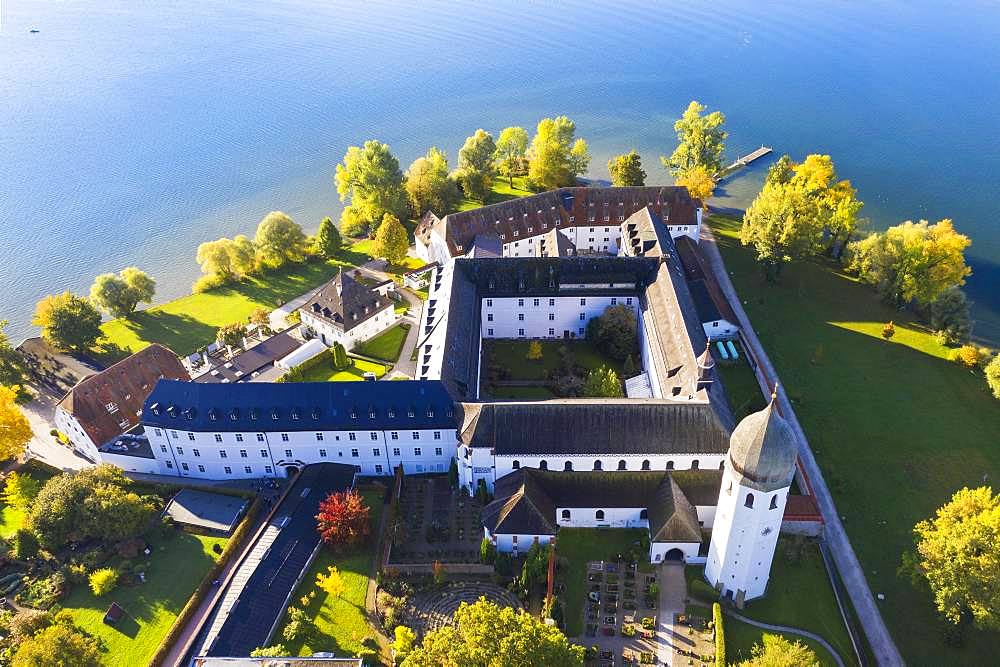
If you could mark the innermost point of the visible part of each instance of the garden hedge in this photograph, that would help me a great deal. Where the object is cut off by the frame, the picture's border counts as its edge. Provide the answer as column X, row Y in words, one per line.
column 720, row 636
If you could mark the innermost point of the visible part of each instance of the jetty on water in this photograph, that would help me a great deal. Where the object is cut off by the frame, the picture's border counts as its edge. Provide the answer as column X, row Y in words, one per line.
column 744, row 161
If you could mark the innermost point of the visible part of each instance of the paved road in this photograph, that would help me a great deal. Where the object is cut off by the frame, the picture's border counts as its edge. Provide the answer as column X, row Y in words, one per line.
column 853, row 576
column 44, row 447
column 673, row 591
column 787, row 630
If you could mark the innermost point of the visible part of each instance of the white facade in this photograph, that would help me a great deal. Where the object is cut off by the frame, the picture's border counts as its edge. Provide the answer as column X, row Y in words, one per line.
column 547, row 317
column 329, row 333
column 132, row 463
column 514, row 544
column 71, row 427
column 721, row 329
column 747, row 523
column 229, row 455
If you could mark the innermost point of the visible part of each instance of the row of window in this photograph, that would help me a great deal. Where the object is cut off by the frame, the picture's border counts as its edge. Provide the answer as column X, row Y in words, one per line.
column 598, row 465
column 417, row 451
column 552, row 302
column 268, row 470
column 373, row 435
column 599, row 515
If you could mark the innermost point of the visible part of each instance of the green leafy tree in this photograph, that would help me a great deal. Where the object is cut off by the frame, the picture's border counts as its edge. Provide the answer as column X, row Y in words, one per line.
column 298, row 627
column 485, row 633
column 328, row 242
column 912, row 262
column 15, row 429
column 604, row 382
column 103, row 580
column 20, row 490
column 391, row 241
column 534, row 351
column 626, row 169
column 340, row 358
column 24, row 544
column 781, row 226
column 776, row 651
column 453, row 473
column 950, row 318
column 405, row 639
column 225, row 260
column 59, row 645
column 261, row 317
column 232, row 335
column 701, row 141
column 615, row 332
column 512, row 146
column 371, row 179
column 475, row 165
column 555, row 157
column 279, row 240
column 958, row 557
column 276, row 651
column 13, row 372
column 120, row 294
column 429, row 186
column 487, row 551
column 992, row 373
column 68, row 321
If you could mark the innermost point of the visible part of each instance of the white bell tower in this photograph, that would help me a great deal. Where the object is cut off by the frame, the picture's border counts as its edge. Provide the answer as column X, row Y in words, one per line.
column 759, row 470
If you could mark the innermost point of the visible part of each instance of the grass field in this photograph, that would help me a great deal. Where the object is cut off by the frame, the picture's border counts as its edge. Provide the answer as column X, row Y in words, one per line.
column 502, row 191
column 513, row 355
column 387, row 345
column 325, row 372
column 176, row 568
column 896, row 428
column 741, row 386
column 341, row 622
column 12, row 518
column 581, row 545
column 741, row 637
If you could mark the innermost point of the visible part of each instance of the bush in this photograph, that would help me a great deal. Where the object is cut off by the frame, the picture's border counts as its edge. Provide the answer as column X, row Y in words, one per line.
column 888, row 330
column 487, row 552
column 77, row 573
column 299, row 627
column 24, row 544
column 720, row 636
column 103, row 581
column 29, row 621
column 44, row 592
column 968, row 356
column 503, row 564
column 992, row 372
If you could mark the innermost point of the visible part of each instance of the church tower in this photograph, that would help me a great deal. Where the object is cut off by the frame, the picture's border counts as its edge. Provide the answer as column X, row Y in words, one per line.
column 758, row 473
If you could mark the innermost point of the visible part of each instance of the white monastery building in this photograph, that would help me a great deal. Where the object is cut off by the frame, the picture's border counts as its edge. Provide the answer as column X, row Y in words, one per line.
column 348, row 312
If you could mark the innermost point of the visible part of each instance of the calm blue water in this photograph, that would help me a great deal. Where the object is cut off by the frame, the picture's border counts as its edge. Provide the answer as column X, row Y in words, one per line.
column 132, row 131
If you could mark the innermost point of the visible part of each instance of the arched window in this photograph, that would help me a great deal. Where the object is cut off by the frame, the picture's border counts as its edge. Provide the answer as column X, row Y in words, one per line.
column 694, row 464
column 568, row 466
column 597, row 465
column 543, row 465
column 621, row 464
column 645, row 465
column 565, row 514
column 644, row 514
column 670, row 465
column 774, row 502
column 749, row 500
column 517, row 464
column 599, row 515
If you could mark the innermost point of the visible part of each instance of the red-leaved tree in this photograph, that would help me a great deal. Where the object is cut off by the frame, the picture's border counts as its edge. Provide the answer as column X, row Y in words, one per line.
column 343, row 519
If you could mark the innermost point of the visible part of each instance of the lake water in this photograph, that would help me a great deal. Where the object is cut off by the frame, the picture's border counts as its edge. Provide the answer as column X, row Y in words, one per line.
column 130, row 131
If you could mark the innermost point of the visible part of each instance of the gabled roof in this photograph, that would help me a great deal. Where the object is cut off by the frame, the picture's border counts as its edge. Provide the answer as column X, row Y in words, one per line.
column 709, row 298
column 346, row 303
column 526, row 276
column 246, row 363
column 109, row 403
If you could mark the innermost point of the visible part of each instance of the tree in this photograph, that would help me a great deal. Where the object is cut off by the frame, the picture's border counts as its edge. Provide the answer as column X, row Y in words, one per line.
column 429, row 186
column 888, row 330
column 59, row 645
column 120, row 294
column 781, row 225
column 299, row 626
column 534, row 351
column 992, row 373
column 261, row 318
column 343, row 519
column 232, row 335
column 776, row 651
column 626, row 170
column 487, row 551
column 20, row 490
column 603, row 381
column 279, row 240
column 615, row 332
column 68, row 321
column 328, row 242
column 15, row 430
column 331, row 582
column 391, row 241
column 555, row 158
column 24, row 544
column 340, row 358
column 512, row 145
column 968, row 356
column 276, row 651
column 475, row 165
column 958, row 556
column 701, row 141
column 950, row 318
column 225, row 260
column 700, row 183
column 485, row 633
column 403, row 644
column 371, row 179
column 453, row 473
column 13, row 372
column 103, row 580
column 912, row 262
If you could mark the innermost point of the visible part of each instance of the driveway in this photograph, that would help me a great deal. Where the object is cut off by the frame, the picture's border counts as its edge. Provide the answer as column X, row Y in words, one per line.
column 673, row 591
column 44, row 447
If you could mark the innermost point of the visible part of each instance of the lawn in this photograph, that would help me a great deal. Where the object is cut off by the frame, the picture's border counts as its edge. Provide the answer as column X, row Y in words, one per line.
column 740, row 638
column 187, row 323
column 176, row 568
column 580, row 545
column 502, row 191
column 896, row 428
column 12, row 518
column 341, row 622
column 522, row 393
column 741, row 385
column 325, row 372
column 387, row 345
column 511, row 354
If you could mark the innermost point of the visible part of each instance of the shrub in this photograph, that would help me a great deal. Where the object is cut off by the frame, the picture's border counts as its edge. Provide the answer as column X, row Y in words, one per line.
column 888, row 330
column 968, row 356
column 103, row 581
column 24, row 544
column 77, row 573
column 720, row 636
column 992, row 372
column 299, row 627
column 487, row 552
column 29, row 621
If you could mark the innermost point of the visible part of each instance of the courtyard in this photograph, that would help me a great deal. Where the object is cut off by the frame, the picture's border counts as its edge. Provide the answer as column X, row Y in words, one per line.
column 435, row 523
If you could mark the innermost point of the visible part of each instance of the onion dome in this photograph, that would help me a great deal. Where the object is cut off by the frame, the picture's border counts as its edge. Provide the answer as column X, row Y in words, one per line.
column 762, row 450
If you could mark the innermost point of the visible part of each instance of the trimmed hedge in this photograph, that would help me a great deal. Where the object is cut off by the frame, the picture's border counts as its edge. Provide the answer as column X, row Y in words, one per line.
column 295, row 373
column 205, row 587
column 720, row 636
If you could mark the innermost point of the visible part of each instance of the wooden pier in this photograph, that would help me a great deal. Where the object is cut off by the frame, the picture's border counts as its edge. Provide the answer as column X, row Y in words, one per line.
column 744, row 161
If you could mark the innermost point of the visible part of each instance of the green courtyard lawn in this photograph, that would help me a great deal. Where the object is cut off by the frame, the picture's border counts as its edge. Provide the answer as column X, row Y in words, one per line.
column 502, row 191
column 895, row 426
column 325, row 372
column 12, row 518
column 581, row 545
column 741, row 637
column 341, row 622
column 512, row 354
column 387, row 345
column 522, row 393
column 190, row 322
column 177, row 566
column 741, row 385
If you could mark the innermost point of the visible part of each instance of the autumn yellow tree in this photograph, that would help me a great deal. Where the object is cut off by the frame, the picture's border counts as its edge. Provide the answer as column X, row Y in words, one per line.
column 534, row 350
column 698, row 181
column 15, row 431
column 331, row 582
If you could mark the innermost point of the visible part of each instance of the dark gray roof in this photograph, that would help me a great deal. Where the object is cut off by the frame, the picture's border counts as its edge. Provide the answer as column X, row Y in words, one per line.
column 460, row 362
column 346, row 303
column 595, row 426
column 516, row 276
column 487, row 245
column 708, row 295
column 763, row 450
column 707, row 310
column 260, row 356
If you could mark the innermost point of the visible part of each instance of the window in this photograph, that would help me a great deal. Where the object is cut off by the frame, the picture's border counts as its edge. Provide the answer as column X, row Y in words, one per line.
column 170, row 465
column 552, row 332
column 621, row 465
column 520, row 302
column 568, row 466
column 263, row 453
column 774, row 502
column 599, row 515
column 222, row 454
column 415, row 435
column 748, row 501
column 243, row 453
column 395, row 451
column 191, row 437
column 694, row 464
column 416, row 451
column 489, row 317
column 583, row 302
column 319, row 437
column 284, row 437
column 643, row 514
column 536, row 302
column 352, row 436
column 520, row 332
column 180, row 450
column 520, row 317
column 437, row 435
column 260, row 437
column 247, row 469
column 201, row 468
column 565, row 515
column 581, row 332
column 196, row 452
column 378, row 469
column 670, row 465
column 376, row 452
column 552, row 317
column 489, row 332
column 489, row 302
column 516, row 465
column 163, row 448
column 354, row 453
column 173, row 434
column 158, row 431
column 552, row 302
column 373, row 436
column 437, row 451
column 597, row 465
column 628, row 301
column 543, row 465
column 184, row 466
column 583, row 316
column 614, row 300
column 645, row 465
column 229, row 471
column 239, row 437
column 269, row 470
column 394, row 435
column 288, row 453
column 322, row 453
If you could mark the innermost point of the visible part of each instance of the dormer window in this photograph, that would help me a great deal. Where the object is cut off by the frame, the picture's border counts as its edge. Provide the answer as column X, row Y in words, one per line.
column 295, row 414
column 274, row 414
column 234, row 414
column 112, row 407
column 315, row 414
column 430, row 412
column 392, row 413
column 411, row 413
column 213, row 415
column 371, row 413
column 354, row 413
column 516, row 233
column 253, row 414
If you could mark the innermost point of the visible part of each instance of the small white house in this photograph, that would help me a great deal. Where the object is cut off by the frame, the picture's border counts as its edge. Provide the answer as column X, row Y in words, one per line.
column 348, row 312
